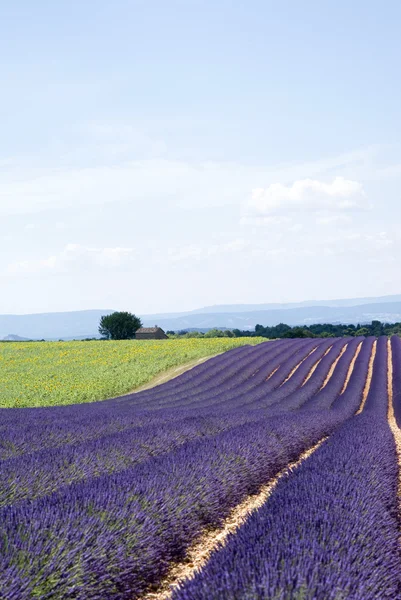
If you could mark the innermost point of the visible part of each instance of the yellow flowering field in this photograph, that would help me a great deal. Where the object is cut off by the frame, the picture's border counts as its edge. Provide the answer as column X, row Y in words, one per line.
column 54, row 373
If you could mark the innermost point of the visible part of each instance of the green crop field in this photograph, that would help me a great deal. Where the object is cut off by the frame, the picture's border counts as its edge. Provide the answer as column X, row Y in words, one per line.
column 55, row 373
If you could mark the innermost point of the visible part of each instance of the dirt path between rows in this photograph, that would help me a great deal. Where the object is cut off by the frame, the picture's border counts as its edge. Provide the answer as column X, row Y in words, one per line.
column 298, row 365
column 315, row 366
column 368, row 378
column 199, row 554
column 351, row 368
column 171, row 374
column 392, row 420
column 333, row 366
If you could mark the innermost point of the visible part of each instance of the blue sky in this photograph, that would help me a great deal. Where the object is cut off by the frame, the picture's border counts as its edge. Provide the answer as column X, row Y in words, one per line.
column 165, row 155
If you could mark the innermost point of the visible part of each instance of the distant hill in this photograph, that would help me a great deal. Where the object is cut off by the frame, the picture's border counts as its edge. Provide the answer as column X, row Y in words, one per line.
column 14, row 338
column 365, row 313
column 84, row 324
column 77, row 324
column 236, row 308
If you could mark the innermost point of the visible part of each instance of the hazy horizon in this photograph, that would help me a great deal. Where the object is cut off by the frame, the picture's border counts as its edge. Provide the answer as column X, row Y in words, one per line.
column 199, row 308
column 161, row 157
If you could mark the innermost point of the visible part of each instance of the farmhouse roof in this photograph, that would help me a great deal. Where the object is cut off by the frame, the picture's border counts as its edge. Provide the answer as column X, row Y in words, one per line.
column 148, row 329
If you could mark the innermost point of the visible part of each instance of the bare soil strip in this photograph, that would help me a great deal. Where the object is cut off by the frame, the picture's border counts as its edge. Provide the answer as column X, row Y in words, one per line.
column 298, row 365
column 315, row 366
column 199, row 554
column 171, row 374
column 351, row 368
column 368, row 378
column 333, row 366
column 391, row 418
column 272, row 373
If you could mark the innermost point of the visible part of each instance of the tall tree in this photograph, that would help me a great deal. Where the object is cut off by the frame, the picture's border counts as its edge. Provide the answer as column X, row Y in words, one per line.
column 119, row 326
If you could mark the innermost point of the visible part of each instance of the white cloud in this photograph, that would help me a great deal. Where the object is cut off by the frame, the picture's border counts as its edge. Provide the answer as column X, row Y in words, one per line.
column 296, row 227
column 76, row 257
column 33, row 185
column 307, row 195
column 333, row 219
column 306, row 225
column 25, row 267
column 194, row 251
column 262, row 220
column 71, row 256
column 379, row 246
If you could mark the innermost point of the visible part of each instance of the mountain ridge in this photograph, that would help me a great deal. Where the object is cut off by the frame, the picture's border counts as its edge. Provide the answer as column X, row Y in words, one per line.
column 83, row 324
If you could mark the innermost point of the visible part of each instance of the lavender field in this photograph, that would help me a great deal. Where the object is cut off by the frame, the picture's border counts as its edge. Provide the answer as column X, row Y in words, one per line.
column 99, row 501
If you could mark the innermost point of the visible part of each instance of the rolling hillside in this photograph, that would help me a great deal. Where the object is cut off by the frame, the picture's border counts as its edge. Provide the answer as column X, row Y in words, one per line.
column 82, row 324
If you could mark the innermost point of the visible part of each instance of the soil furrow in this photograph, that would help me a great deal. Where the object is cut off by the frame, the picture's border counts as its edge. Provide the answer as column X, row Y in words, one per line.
column 396, row 431
column 315, row 366
column 351, row 368
column 333, row 367
column 199, row 554
column 298, row 365
column 368, row 378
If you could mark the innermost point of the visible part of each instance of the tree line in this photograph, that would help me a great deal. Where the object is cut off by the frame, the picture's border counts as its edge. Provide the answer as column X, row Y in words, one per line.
column 282, row 330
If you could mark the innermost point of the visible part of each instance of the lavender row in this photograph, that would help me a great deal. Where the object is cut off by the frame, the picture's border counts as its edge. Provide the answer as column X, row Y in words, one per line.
column 27, row 430
column 251, row 374
column 86, row 431
column 324, row 398
column 209, row 379
column 36, row 474
column 273, row 374
column 137, row 521
column 279, row 385
column 202, row 372
column 207, row 371
column 352, row 396
column 345, row 403
column 30, row 428
column 16, row 442
column 298, row 397
column 330, row 529
column 396, row 351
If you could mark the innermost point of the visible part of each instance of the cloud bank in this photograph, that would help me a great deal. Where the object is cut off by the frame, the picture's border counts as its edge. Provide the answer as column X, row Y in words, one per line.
column 309, row 195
